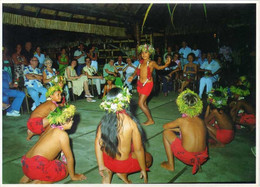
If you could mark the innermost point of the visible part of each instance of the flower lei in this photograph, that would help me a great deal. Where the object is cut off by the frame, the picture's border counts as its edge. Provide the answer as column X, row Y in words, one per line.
column 117, row 104
column 61, row 114
column 184, row 108
column 53, row 89
column 146, row 48
column 239, row 91
column 218, row 101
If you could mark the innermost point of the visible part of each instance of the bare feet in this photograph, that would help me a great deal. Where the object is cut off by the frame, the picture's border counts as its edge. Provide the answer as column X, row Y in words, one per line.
column 167, row 166
column 30, row 134
column 124, row 178
column 25, row 180
column 148, row 122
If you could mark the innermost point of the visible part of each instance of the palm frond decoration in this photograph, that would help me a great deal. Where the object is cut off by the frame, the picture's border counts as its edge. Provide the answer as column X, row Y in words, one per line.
column 205, row 10
column 145, row 17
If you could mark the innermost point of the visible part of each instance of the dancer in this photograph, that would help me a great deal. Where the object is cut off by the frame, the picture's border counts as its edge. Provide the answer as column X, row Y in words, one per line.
column 119, row 143
column 38, row 120
column 145, row 80
column 219, row 124
column 40, row 164
column 110, row 84
column 190, row 147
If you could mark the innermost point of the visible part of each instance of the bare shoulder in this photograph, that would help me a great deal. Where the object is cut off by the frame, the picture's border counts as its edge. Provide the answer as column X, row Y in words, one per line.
column 152, row 62
column 61, row 134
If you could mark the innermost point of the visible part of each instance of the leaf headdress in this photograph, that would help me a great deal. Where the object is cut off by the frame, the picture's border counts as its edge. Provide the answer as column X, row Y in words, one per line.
column 146, row 48
column 218, row 100
column 191, row 109
column 53, row 89
column 61, row 114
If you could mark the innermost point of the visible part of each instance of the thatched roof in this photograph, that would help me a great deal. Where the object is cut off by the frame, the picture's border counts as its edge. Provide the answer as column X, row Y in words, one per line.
column 118, row 19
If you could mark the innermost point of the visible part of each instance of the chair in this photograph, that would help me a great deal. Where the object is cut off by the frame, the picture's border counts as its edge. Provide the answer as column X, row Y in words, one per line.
column 27, row 97
column 70, row 86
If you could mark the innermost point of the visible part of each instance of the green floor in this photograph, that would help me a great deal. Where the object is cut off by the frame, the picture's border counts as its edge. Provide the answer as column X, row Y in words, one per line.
column 234, row 163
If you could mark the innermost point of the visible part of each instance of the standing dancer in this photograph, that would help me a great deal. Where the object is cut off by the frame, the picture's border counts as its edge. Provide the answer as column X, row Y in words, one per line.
column 145, row 80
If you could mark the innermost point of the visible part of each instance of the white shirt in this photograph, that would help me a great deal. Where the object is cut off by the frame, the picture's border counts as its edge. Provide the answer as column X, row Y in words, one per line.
column 81, row 60
column 213, row 66
column 185, row 51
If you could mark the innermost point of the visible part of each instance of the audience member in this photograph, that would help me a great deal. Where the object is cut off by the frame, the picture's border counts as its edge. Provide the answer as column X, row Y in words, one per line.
column 119, row 66
column 184, row 51
column 110, row 69
column 211, row 68
column 129, row 69
column 196, row 51
column 93, row 55
column 32, row 81
column 7, row 62
column 19, row 62
column 63, row 60
column 80, row 56
column 169, row 52
column 28, row 52
column 40, row 57
column 14, row 109
column 91, row 73
column 78, row 82
column 110, row 79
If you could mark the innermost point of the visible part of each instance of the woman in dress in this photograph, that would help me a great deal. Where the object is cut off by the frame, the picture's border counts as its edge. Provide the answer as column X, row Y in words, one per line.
column 79, row 83
column 40, row 56
column 7, row 63
column 63, row 61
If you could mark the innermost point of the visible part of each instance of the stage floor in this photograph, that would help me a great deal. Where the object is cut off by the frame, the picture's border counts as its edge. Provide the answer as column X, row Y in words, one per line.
column 234, row 163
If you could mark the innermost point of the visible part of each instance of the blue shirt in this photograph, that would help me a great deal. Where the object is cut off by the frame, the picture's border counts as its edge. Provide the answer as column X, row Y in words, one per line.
column 184, row 52
column 41, row 58
column 30, row 83
column 6, row 80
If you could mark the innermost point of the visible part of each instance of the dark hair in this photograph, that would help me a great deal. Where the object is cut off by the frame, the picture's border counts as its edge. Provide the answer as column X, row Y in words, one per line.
column 110, row 126
column 190, row 99
column 87, row 58
column 74, row 59
column 193, row 56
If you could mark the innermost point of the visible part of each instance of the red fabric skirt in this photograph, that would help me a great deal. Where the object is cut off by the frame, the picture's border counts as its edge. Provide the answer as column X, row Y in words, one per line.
column 248, row 119
column 225, row 136
column 35, row 125
column 40, row 168
column 146, row 89
column 130, row 165
column 191, row 158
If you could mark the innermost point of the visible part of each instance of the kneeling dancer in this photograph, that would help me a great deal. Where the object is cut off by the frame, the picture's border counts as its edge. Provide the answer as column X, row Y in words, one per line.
column 40, row 164
column 120, row 139
column 190, row 147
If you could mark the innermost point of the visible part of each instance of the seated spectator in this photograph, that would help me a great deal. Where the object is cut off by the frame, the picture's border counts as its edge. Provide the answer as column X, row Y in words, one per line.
column 40, row 57
column 119, row 142
column 14, row 109
column 119, row 66
column 19, row 63
column 189, row 72
column 63, row 60
column 91, row 73
column 129, row 69
column 217, row 120
column 184, row 51
column 211, row 68
column 196, row 52
column 190, row 147
column 137, row 61
column 110, row 69
column 5, row 106
column 110, row 80
column 78, row 82
column 50, row 78
column 33, row 83
column 170, row 73
column 7, row 62
column 169, row 52
column 48, row 73
column 40, row 164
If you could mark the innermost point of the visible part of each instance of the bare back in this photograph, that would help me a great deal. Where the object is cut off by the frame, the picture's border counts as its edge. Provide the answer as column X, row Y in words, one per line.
column 43, row 110
column 125, row 136
column 48, row 145
column 193, row 132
